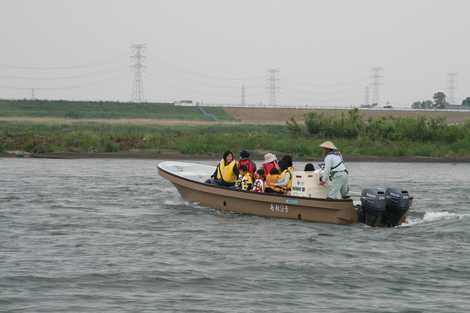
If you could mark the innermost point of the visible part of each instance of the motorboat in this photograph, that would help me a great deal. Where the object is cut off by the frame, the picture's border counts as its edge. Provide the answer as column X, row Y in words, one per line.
column 379, row 206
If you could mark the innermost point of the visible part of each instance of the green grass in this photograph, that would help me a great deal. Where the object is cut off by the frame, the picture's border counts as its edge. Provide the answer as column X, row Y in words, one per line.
column 352, row 125
column 110, row 110
column 205, row 140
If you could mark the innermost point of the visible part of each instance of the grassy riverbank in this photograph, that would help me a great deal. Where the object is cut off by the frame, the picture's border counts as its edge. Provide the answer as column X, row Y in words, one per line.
column 211, row 141
column 107, row 110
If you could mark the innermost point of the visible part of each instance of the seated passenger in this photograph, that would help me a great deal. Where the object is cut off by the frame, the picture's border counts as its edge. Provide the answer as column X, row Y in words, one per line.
column 270, row 162
column 271, row 181
column 245, row 181
column 226, row 173
column 286, row 170
column 245, row 160
column 287, row 159
column 309, row 167
column 258, row 185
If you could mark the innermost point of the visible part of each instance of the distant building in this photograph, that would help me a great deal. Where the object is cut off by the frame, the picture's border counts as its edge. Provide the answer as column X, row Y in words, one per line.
column 185, row 103
column 368, row 106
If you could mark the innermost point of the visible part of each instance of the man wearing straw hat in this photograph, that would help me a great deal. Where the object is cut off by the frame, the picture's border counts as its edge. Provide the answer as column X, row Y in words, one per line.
column 335, row 171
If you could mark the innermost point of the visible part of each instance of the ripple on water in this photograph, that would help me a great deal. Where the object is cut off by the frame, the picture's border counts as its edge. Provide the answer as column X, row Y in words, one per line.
column 113, row 236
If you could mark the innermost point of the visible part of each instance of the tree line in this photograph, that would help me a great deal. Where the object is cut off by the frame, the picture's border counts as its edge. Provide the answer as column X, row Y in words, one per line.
column 439, row 102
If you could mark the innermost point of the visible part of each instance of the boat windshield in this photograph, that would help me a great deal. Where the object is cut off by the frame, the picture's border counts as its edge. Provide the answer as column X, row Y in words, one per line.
column 193, row 171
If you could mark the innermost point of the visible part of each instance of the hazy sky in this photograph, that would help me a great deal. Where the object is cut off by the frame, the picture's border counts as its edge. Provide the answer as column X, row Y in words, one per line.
column 206, row 49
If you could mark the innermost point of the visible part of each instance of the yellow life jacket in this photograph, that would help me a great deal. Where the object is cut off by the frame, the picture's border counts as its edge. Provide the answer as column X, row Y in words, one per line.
column 271, row 181
column 289, row 172
column 246, row 182
column 225, row 172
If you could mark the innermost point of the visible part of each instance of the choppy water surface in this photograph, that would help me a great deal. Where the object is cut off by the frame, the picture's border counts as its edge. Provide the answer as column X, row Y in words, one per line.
column 113, row 236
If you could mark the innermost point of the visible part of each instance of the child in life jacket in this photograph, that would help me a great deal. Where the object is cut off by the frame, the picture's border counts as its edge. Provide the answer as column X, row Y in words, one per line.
column 258, row 185
column 245, row 182
column 271, row 182
column 245, row 160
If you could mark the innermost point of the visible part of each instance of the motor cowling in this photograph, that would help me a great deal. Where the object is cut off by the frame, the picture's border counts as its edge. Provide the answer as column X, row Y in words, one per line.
column 383, row 206
column 398, row 201
column 373, row 206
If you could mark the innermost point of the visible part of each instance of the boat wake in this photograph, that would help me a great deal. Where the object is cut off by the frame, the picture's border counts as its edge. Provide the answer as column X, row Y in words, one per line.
column 429, row 217
column 174, row 202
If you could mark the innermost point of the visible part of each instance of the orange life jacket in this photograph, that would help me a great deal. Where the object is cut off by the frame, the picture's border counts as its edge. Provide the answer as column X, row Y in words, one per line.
column 271, row 181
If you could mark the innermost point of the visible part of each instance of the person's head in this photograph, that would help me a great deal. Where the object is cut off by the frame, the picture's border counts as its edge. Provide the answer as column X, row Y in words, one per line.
column 259, row 173
column 309, row 167
column 243, row 170
column 285, row 162
column 244, row 154
column 269, row 157
column 228, row 157
column 327, row 147
column 274, row 171
column 282, row 165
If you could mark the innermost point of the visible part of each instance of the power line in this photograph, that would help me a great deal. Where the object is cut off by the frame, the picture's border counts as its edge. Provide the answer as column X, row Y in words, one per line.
column 57, row 77
column 184, row 70
column 47, row 68
column 173, row 81
column 66, row 87
column 206, row 76
column 318, row 92
column 328, row 98
column 41, row 88
column 44, row 88
column 138, row 66
column 310, row 84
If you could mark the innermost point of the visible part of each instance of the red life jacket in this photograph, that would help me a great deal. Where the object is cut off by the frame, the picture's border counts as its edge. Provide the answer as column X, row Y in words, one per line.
column 248, row 164
column 267, row 168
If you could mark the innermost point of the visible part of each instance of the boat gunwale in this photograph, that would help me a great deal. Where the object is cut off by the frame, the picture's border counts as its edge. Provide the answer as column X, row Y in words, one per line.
column 252, row 193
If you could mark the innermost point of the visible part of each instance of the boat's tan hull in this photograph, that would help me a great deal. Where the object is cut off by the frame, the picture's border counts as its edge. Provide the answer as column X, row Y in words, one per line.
column 270, row 205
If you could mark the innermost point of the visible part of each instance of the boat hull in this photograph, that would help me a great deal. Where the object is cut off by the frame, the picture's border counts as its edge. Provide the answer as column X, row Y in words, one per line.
column 263, row 204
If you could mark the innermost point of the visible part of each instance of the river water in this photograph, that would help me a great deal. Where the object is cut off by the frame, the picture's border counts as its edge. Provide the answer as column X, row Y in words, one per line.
column 113, row 236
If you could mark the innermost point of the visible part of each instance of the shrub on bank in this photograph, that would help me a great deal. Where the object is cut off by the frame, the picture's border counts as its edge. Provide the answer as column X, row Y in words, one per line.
column 352, row 126
column 348, row 125
column 378, row 137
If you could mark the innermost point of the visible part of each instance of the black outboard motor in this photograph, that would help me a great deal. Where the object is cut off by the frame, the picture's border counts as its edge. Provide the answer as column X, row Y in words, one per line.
column 398, row 201
column 372, row 206
column 383, row 206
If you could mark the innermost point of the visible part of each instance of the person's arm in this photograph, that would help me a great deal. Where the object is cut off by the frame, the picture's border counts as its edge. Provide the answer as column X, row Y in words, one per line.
column 214, row 176
column 284, row 180
column 326, row 171
column 235, row 170
column 254, row 166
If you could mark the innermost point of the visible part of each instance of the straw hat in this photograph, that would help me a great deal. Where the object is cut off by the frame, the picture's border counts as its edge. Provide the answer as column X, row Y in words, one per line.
column 328, row 145
column 269, row 157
